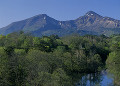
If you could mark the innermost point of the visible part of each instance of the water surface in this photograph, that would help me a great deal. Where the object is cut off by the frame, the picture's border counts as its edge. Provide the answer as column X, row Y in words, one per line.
column 96, row 79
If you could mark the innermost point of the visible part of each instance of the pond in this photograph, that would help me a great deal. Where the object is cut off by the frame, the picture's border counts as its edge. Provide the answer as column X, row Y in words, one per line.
column 96, row 79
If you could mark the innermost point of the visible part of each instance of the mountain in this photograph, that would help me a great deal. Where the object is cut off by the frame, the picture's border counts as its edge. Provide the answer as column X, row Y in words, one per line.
column 90, row 23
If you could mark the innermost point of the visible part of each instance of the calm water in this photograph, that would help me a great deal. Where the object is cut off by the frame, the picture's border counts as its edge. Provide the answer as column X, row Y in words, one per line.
column 96, row 79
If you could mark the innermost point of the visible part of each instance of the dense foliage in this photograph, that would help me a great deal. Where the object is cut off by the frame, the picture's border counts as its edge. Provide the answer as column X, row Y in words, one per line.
column 113, row 61
column 26, row 60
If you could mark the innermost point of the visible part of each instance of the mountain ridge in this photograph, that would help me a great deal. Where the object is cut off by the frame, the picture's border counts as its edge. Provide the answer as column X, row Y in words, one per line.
column 42, row 24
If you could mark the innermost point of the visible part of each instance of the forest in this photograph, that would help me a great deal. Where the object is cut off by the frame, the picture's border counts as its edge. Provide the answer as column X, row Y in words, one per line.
column 26, row 60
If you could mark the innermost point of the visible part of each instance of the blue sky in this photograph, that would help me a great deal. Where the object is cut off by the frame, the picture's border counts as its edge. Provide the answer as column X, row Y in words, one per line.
column 15, row 10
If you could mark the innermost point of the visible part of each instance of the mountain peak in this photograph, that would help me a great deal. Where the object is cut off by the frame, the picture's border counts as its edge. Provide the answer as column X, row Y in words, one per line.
column 43, row 15
column 91, row 13
column 39, row 17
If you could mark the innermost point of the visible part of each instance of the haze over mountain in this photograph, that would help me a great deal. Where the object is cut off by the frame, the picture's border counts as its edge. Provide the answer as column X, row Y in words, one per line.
column 90, row 23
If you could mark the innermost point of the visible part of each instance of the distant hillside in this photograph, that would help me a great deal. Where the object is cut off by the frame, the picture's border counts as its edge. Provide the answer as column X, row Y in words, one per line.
column 90, row 23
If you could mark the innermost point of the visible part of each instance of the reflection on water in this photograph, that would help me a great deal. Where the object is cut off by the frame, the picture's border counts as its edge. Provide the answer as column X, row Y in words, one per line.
column 96, row 79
